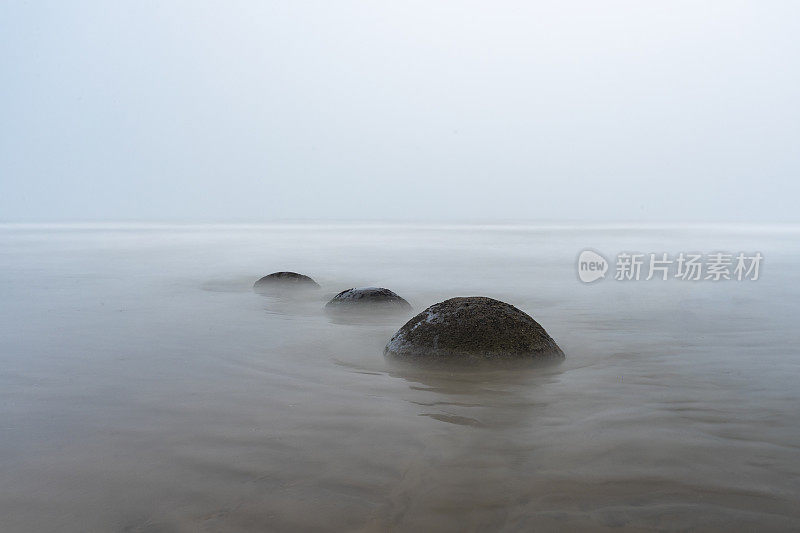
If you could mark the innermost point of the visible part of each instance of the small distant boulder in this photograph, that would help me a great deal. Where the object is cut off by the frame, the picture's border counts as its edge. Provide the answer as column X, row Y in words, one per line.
column 285, row 280
column 472, row 329
column 367, row 299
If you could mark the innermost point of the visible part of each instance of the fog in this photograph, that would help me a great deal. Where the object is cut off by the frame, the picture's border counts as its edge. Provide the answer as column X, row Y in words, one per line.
column 441, row 111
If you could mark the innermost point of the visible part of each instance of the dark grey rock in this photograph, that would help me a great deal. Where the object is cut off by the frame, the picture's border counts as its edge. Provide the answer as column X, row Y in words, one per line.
column 472, row 329
column 367, row 299
column 280, row 280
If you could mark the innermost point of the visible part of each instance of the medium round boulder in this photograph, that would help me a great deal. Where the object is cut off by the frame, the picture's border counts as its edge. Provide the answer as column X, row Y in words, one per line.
column 367, row 299
column 472, row 329
column 281, row 280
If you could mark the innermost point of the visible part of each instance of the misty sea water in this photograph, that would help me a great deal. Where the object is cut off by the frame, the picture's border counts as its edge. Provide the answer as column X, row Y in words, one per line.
column 144, row 386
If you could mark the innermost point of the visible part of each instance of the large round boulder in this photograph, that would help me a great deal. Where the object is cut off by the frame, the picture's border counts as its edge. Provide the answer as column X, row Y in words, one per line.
column 282, row 280
column 472, row 329
column 367, row 299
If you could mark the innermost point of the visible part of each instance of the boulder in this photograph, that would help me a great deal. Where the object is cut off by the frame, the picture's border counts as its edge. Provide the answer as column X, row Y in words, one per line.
column 367, row 299
column 279, row 280
column 472, row 329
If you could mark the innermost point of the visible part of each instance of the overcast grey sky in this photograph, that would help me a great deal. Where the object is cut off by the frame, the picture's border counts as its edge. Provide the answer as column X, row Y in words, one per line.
column 561, row 110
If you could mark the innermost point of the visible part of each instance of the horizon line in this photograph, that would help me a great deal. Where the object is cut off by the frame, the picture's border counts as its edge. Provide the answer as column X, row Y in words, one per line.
column 321, row 224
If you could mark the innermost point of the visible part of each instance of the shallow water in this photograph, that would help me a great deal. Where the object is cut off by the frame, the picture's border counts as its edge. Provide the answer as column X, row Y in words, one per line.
column 145, row 387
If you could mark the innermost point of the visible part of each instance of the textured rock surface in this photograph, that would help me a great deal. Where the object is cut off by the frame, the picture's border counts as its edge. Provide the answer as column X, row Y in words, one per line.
column 367, row 298
column 473, row 328
column 285, row 279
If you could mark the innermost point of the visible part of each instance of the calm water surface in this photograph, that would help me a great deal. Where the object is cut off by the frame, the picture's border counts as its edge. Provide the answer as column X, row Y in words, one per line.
column 145, row 387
